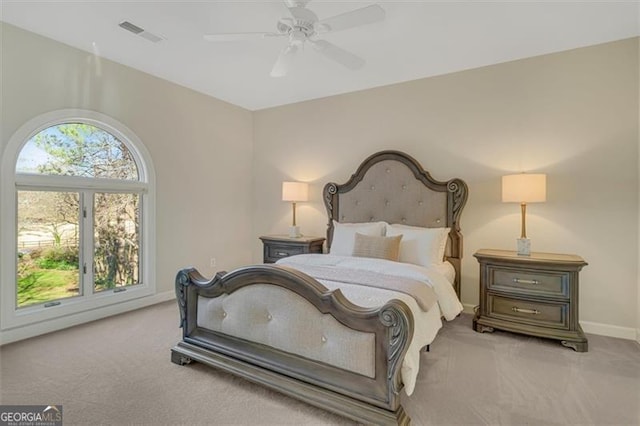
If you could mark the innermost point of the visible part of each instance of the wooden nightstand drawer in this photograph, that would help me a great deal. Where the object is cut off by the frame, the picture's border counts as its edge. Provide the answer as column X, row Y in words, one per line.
column 276, row 247
column 523, row 281
column 546, row 314
column 278, row 251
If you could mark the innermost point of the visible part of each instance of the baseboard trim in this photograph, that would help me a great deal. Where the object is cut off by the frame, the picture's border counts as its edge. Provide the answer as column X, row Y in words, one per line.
column 608, row 330
column 589, row 327
column 32, row 330
column 468, row 308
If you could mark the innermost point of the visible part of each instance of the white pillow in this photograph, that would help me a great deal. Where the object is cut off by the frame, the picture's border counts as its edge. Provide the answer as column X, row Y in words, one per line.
column 344, row 235
column 420, row 246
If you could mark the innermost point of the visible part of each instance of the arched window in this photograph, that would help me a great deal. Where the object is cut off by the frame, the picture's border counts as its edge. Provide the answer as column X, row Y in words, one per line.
column 80, row 228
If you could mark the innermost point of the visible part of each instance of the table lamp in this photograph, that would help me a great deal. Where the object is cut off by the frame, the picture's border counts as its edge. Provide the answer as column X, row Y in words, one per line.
column 524, row 188
column 294, row 192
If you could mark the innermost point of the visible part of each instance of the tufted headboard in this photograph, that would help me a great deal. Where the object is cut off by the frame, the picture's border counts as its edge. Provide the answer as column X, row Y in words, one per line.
column 391, row 186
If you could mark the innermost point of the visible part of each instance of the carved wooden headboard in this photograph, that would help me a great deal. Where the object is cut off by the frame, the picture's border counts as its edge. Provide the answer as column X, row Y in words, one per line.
column 391, row 186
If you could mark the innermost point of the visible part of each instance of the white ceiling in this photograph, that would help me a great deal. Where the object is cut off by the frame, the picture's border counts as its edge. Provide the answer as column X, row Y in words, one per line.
column 417, row 39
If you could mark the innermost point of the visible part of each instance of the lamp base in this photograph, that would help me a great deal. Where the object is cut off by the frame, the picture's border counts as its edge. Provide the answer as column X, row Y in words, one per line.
column 294, row 232
column 524, row 246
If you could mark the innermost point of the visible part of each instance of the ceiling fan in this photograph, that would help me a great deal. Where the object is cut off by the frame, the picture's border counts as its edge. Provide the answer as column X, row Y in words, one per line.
column 302, row 25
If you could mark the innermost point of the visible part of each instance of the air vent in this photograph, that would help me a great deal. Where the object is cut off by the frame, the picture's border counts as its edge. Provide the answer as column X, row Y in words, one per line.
column 130, row 27
column 140, row 32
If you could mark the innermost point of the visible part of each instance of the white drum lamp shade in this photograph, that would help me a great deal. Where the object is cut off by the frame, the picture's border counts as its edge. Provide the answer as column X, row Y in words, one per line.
column 295, row 191
column 524, row 188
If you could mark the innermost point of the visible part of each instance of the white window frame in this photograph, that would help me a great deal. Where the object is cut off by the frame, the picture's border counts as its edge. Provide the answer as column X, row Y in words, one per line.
column 12, row 317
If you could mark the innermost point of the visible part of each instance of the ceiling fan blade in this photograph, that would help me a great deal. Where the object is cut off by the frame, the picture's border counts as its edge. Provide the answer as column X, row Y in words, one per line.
column 284, row 61
column 354, row 18
column 338, row 54
column 238, row 36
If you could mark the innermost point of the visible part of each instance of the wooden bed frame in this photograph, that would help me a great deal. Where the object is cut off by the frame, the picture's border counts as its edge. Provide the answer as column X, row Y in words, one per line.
column 383, row 183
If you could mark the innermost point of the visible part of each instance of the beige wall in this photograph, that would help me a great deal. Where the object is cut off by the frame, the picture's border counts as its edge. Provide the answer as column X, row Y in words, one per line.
column 201, row 147
column 572, row 115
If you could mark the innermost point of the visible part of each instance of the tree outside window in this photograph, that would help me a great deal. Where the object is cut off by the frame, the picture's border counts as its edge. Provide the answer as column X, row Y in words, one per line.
column 79, row 224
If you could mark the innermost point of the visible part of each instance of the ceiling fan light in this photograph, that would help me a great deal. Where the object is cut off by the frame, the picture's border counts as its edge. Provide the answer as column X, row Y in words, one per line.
column 297, row 37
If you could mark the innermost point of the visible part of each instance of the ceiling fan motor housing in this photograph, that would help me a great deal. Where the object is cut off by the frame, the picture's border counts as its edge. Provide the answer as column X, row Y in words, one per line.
column 303, row 20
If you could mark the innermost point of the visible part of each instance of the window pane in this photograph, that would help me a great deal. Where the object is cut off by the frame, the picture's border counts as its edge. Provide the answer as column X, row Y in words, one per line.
column 116, row 240
column 48, row 256
column 77, row 149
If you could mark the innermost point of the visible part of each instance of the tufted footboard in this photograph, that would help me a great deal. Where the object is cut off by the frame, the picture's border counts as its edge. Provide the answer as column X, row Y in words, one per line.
column 283, row 329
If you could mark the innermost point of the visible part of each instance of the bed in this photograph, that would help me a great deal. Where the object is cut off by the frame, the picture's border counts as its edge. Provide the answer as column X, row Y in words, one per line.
column 339, row 331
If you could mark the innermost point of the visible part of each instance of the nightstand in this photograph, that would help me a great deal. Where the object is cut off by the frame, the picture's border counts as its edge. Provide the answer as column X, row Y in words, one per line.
column 279, row 246
column 535, row 295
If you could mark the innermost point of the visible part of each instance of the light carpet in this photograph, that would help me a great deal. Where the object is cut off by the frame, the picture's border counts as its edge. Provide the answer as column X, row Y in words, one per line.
column 118, row 371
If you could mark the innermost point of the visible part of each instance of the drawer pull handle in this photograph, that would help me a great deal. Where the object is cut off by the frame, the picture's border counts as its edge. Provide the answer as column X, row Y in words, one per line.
column 525, row 311
column 521, row 281
column 282, row 253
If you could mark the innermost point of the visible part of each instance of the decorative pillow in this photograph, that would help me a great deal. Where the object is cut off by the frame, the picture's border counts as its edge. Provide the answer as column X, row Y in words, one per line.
column 344, row 235
column 378, row 247
column 421, row 246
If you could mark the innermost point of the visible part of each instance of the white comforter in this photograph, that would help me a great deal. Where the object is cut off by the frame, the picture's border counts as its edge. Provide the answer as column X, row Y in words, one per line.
column 427, row 323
